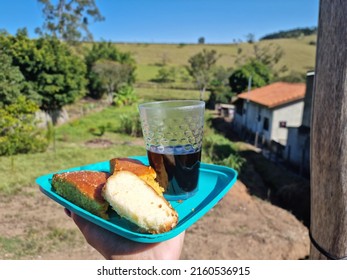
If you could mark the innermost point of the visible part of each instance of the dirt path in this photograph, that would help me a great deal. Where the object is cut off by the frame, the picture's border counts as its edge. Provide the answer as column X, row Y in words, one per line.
column 240, row 226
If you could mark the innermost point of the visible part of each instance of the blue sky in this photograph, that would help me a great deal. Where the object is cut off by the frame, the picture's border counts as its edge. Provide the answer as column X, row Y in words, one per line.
column 176, row 21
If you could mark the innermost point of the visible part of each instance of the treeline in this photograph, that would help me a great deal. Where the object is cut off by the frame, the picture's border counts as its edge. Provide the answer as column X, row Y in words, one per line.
column 46, row 74
column 293, row 33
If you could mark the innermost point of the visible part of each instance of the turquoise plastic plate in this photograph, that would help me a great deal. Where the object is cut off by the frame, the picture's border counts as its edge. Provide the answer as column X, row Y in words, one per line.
column 214, row 182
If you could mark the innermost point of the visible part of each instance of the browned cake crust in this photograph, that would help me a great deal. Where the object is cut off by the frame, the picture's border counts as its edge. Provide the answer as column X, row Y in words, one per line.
column 132, row 165
column 84, row 188
column 144, row 172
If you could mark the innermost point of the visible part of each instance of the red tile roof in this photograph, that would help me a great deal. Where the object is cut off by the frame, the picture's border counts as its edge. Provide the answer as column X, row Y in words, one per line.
column 275, row 94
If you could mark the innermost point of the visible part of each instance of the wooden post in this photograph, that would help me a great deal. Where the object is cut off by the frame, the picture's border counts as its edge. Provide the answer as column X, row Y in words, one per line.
column 328, row 227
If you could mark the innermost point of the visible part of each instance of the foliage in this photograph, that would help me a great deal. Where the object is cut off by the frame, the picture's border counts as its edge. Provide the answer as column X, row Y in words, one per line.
column 166, row 75
column 269, row 55
column 220, row 79
column 219, row 87
column 293, row 33
column 259, row 73
column 106, row 51
column 219, row 97
column 250, row 38
column 69, row 20
column 49, row 67
column 12, row 82
column 201, row 68
column 293, row 77
column 125, row 96
column 18, row 131
column 130, row 124
column 201, row 40
column 221, row 151
column 112, row 75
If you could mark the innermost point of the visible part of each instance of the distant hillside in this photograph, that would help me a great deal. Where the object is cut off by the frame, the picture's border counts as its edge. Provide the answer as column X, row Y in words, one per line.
column 293, row 33
column 299, row 55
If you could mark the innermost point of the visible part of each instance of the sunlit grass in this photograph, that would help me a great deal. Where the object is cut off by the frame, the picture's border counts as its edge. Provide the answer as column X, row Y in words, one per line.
column 299, row 54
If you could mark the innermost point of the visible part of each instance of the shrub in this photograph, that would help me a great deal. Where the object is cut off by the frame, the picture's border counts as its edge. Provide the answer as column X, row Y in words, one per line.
column 130, row 124
column 166, row 75
column 220, row 150
column 18, row 131
column 125, row 96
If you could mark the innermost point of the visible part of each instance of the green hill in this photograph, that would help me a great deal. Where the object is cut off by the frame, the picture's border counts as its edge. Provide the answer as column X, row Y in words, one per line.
column 299, row 54
column 293, row 33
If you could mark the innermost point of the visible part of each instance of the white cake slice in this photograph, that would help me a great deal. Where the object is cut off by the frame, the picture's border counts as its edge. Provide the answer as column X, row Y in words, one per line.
column 137, row 202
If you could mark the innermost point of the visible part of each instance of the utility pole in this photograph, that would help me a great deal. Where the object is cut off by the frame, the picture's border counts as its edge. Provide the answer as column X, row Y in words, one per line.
column 328, row 229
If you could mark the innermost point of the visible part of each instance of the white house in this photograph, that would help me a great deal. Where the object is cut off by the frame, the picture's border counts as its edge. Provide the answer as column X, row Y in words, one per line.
column 269, row 110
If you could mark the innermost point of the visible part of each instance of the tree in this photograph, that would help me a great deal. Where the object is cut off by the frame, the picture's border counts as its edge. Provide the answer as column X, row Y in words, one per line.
column 49, row 68
column 267, row 54
column 250, row 37
column 201, row 40
column 69, row 20
column 112, row 76
column 166, row 75
column 219, row 87
column 328, row 226
column 201, row 68
column 258, row 71
column 106, row 51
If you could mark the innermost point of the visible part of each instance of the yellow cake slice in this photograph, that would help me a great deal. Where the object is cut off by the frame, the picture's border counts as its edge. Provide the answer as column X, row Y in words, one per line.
column 83, row 188
column 133, row 199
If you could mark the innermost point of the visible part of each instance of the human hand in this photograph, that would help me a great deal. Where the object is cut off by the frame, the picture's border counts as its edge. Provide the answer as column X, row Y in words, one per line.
column 113, row 246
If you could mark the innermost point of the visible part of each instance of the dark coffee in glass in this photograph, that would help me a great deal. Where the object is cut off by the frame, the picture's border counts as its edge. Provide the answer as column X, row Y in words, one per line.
column 178, row 174
column 173, row 132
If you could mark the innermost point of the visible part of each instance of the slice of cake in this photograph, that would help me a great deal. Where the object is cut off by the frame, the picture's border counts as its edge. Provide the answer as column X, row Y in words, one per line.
column 133, row 199
column 83, row 188
column 146, row 173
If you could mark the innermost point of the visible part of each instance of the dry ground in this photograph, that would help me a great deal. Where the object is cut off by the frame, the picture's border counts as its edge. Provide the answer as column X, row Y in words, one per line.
column 240, row 226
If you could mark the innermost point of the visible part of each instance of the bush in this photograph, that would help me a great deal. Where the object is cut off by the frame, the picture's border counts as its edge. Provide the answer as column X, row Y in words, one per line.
column 166, row 75
column 125, row 96
column 220, row 150
column 131, row 125
column 18, row 131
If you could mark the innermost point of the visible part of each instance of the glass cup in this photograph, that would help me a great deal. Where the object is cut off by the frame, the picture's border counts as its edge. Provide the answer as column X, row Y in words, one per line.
column 173, row 132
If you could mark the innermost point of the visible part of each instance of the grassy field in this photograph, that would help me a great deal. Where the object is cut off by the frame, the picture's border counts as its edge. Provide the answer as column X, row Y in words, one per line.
column 71, row 143
column 299, row 54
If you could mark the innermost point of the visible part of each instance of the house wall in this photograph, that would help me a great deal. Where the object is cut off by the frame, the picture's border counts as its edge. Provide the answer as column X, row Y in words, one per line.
column 291, row 114
column 254, row 114
column 297, row 151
